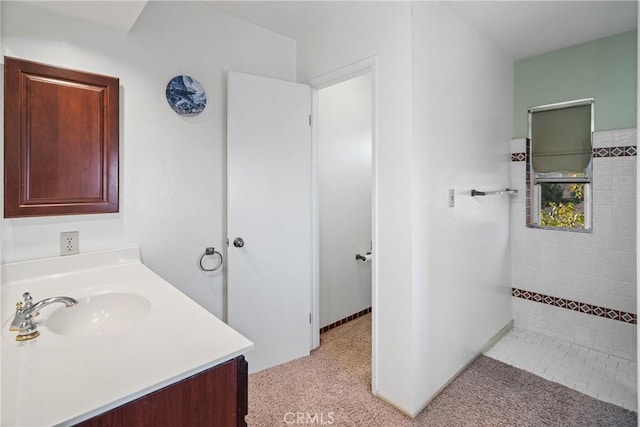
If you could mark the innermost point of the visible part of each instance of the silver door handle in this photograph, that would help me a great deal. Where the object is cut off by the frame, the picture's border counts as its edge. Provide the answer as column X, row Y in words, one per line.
column 238, row 242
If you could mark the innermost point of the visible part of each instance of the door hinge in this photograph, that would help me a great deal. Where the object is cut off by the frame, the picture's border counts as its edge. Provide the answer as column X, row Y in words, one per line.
column 309, row 119
column 309, row 318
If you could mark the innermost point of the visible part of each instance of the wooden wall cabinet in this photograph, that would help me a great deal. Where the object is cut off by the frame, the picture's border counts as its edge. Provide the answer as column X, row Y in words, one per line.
column 60, row 142
column 214, row 398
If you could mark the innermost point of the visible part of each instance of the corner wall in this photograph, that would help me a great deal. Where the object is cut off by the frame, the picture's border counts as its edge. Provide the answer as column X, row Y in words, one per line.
column 172, row 168
column 462, row 109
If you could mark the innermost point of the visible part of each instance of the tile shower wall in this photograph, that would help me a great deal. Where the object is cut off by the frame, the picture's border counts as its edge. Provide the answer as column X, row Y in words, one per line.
column 596, row 269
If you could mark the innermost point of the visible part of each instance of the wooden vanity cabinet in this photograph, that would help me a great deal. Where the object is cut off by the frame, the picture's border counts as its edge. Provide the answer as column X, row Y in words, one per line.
column 216, row 397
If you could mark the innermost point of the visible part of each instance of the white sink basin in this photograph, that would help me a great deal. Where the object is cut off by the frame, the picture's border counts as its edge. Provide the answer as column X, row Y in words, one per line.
column 99, row 315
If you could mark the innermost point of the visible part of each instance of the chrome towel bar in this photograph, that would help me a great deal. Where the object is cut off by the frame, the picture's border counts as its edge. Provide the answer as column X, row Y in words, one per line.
column 492, row 193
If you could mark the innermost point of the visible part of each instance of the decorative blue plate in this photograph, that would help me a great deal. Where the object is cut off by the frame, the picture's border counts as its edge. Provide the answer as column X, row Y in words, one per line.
column 186, row 96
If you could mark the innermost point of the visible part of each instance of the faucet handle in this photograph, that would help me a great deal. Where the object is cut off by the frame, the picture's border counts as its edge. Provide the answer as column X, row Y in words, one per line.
column 28, row 303
column 28, row 300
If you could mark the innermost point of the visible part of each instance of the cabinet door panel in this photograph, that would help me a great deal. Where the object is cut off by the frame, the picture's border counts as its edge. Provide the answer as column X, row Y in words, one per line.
column 215, row 398
column 61, row 141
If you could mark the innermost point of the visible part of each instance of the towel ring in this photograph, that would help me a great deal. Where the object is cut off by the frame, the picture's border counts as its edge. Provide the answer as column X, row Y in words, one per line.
column 207, row 252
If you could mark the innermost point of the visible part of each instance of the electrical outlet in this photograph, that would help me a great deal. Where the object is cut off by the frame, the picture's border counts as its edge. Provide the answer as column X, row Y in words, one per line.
column 69, row 243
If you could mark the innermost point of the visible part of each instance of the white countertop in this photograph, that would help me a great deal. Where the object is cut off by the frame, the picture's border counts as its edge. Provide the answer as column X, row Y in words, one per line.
column 62, row 380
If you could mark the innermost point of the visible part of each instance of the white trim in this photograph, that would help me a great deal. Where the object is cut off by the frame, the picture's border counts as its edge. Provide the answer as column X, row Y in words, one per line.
column 367, row 65
column 315, row 224
column 342, row 74
column 565, row 104
column 588, row 204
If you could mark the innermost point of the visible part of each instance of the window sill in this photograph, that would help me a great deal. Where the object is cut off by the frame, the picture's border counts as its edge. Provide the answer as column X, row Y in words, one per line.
column 570, row 230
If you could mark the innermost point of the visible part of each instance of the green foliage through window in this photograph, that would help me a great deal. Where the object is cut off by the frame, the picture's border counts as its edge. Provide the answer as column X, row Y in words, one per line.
column 562, row 205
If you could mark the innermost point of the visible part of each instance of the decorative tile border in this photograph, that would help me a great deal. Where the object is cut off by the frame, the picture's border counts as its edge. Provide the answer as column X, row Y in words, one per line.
column 345, row 320
column 625, row 151
column 518, row 157
column 582, row 307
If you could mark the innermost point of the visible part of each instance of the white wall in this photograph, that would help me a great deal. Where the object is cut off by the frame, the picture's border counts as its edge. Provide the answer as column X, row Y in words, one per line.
column 381, row 29
column 444, row 113
column 462, row 126
column 172, row 169
column 344, row 183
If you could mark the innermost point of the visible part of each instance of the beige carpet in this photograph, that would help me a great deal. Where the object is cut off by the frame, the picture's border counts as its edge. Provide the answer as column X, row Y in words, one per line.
column 332, row 386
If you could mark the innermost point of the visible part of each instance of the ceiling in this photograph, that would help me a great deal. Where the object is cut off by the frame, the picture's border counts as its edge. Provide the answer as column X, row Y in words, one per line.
column 289, row 18
column 528, row 28
column 120, row 15
column 521, row 28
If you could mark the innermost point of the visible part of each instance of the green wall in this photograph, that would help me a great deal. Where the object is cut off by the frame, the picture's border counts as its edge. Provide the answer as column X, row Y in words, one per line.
column 603, row 69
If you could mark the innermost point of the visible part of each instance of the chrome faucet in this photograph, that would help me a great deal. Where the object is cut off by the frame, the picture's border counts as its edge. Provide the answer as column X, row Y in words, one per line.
column 27, row 310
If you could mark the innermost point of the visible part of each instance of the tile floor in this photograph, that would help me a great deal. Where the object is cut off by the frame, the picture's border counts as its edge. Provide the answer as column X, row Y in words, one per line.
column 605, row 377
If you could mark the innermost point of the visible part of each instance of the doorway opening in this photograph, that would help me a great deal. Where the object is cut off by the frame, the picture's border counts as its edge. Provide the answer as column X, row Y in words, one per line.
column 344, row 201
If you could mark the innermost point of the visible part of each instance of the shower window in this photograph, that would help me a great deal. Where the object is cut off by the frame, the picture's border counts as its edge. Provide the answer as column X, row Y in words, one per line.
column 560, row 167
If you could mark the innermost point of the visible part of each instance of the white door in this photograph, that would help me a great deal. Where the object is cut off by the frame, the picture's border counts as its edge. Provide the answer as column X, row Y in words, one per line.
column 269, row 217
